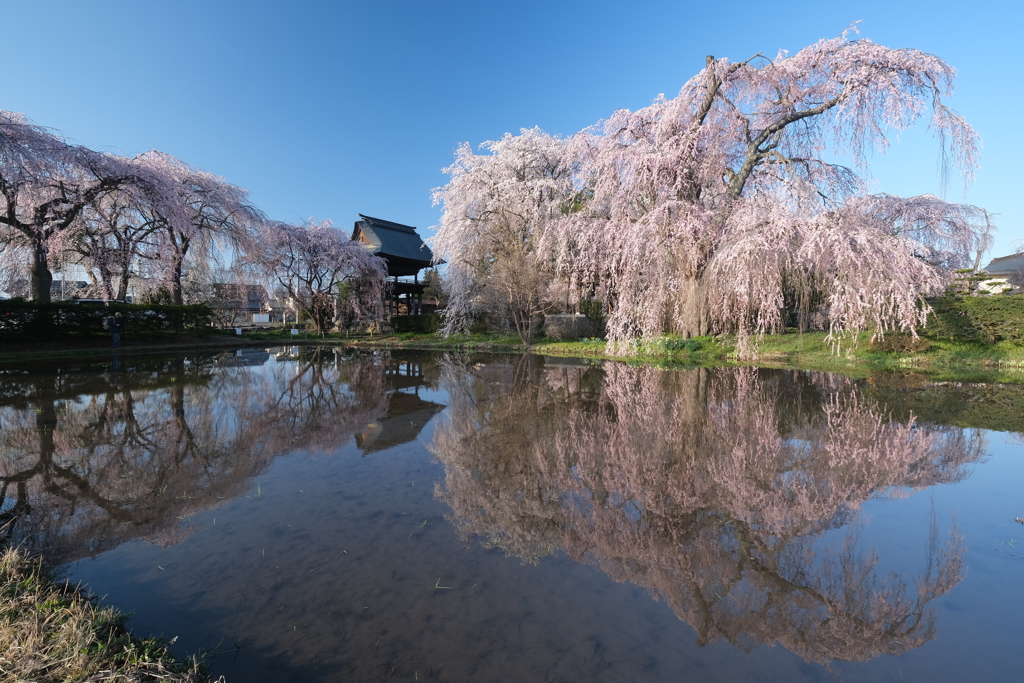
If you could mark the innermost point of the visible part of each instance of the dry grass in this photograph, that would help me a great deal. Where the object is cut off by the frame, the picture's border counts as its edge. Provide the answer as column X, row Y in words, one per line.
column 53, row 631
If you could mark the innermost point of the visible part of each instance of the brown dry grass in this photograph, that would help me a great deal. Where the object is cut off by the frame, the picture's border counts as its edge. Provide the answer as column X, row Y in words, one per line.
column 53, row 631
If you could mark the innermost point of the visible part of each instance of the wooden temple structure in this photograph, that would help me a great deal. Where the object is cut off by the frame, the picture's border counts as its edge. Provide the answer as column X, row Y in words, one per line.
column 406, row 255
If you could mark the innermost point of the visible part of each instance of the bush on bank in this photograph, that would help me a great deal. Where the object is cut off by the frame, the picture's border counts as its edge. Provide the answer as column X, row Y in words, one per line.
column 52, row 631
column 22, row 320
column 428, row 323
column 981, row 319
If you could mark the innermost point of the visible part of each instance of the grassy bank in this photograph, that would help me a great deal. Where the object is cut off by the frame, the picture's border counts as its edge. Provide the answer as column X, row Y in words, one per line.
column 53, row 631
column 810, row 351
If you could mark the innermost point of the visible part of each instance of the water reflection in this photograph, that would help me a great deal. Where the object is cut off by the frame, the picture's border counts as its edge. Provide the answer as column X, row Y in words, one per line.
column 734, row 496
column 92, row 457
column 719, row 490
column 407, row 412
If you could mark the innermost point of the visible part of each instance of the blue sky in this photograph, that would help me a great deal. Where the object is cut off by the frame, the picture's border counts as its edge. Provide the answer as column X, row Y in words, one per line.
column 330, row 109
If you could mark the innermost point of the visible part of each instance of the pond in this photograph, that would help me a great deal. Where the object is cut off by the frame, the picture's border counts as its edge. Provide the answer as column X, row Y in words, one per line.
column 325, row 514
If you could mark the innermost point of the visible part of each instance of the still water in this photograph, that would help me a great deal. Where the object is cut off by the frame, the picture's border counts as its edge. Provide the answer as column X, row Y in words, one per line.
column 329, row 515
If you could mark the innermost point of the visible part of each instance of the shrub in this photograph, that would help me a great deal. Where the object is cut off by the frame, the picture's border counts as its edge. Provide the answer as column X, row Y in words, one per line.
column 673, row 345
column 594, row 310
column 428, row 323
column 898, row 342
column 32, row 321
column 984, row 319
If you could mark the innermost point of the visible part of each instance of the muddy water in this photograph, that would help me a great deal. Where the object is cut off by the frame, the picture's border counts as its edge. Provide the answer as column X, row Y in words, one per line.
column 330, row 515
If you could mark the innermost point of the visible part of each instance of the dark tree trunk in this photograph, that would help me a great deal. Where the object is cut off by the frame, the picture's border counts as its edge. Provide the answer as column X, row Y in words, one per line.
column 122, row 286
column 524, row 318
column 125, row 265
column 41, row 277
column 176, row 296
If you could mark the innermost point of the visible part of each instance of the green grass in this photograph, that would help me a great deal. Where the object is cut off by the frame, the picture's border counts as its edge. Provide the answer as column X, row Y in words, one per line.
column 943, row 359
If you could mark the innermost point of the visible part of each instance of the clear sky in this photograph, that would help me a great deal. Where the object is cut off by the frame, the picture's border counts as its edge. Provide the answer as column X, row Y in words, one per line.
column 330, row 109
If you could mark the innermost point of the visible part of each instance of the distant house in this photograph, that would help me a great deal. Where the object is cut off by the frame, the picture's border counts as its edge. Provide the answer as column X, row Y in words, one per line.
column 236, row 301
column 1005, row 275
column 61, row 290
column 406, row 255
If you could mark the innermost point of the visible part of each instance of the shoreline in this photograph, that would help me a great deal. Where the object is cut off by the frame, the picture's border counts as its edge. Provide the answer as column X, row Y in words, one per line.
column 807, row 351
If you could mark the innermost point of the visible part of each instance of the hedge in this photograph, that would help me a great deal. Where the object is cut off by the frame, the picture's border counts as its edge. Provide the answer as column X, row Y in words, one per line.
column 31, row 321
column 984, row 319
column 428, row 323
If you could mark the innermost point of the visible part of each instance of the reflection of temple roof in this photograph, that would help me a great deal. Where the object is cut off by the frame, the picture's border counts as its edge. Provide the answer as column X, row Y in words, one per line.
column 407, row 414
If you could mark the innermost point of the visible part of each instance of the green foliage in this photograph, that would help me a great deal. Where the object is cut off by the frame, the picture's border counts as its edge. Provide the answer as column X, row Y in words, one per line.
column 968, row 281
column 594, row 310
column 898, row 342
column 32, row 321
column 418, row 324
column 980, row 319
column 435, row 287
column 673, row 345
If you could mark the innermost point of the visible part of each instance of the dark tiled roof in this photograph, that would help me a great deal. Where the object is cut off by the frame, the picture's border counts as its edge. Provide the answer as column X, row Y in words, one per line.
column 380, row 223
column 1006, row 264
column 393, row 239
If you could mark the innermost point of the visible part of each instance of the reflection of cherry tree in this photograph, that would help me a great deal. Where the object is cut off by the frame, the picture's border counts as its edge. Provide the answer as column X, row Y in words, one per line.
column 321, row 401
column 85, row 466
column 712, row 488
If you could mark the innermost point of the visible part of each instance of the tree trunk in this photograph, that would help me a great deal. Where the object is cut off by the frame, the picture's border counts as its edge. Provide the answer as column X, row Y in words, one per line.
column 122, row 286
column 523, row 315
column 41, row 277
column 693, row 319
column 125, row 274
column 176, row 296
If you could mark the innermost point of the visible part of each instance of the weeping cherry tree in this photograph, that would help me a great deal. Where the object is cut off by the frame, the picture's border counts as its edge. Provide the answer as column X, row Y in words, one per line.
column 710, row 208
column 497, row 206
column 310, row 261
column 46, row 183
column 725, row 208
column 216, row 214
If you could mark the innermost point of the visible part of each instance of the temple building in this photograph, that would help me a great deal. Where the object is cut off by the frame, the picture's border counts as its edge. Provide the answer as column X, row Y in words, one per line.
column 406, row 255
column 1005, row 275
